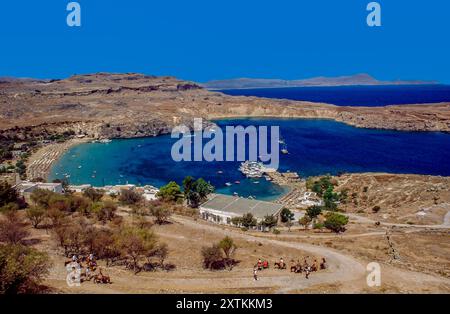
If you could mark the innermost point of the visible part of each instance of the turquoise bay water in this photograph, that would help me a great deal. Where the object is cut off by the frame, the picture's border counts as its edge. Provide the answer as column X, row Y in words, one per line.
column 315, row 147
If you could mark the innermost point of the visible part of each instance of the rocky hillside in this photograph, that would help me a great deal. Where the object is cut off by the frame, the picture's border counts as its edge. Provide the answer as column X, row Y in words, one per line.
column 133, row 105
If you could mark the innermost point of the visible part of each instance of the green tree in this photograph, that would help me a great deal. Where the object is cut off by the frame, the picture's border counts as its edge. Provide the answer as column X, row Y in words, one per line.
column 248, row 221
column 305, row 221
column 135, row 243
column 313, row 211
column 36, row 215
column 22, row 269
column 161, row 211
column 229, row 248
column 188, row 184
column 335, row 222
column 171, row 192
column 12, row 228
column 104, row 211
column 286, row 215
column 197, row 191
column 269, row 221
column 7, row 194
column 41, row 197
column 93, row 194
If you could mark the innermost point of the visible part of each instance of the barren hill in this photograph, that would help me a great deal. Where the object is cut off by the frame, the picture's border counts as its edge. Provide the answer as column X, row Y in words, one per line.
column 131, row 105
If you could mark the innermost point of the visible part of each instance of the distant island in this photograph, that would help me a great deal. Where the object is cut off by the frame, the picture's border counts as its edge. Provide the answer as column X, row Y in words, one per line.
column 358, row 79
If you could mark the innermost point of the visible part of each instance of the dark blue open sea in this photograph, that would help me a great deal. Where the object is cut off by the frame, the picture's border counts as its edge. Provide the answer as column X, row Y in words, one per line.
column 315, row 147
column 370, row 96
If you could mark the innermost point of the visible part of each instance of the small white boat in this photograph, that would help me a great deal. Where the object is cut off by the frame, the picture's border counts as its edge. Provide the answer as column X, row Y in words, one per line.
column 220, row 172
column 79, row 167
column 284, row 151
column 228, row 184
column 256, row 182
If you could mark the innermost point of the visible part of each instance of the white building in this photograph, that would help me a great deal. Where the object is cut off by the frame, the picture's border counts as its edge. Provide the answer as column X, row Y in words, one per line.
column 79, row 188
column 310, row 199
column 26, row 188
column 222, row 208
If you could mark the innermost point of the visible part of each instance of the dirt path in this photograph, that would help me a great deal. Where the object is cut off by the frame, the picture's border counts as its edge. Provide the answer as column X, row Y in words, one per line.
column 445, row 224
column 341, row 268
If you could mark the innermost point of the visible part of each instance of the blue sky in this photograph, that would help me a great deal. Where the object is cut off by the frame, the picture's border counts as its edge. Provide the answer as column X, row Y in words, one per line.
column 216, row 39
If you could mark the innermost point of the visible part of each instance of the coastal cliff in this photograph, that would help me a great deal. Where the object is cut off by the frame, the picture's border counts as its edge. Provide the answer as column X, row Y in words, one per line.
column 136, row 105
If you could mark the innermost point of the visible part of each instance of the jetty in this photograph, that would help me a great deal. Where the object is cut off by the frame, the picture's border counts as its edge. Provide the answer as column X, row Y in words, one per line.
column 254, row 169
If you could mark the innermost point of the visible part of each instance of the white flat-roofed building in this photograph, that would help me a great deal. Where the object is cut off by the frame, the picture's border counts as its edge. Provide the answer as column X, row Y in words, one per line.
column 26, row 188
column 79, row 188
column 222, row 208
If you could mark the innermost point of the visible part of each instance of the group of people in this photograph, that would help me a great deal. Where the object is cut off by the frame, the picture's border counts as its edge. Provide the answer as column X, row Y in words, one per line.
column 88, row 272
column 296, row 266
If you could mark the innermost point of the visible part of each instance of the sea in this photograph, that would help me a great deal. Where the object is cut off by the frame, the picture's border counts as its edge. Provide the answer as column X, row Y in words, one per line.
column 315, row 147
column 369, row 96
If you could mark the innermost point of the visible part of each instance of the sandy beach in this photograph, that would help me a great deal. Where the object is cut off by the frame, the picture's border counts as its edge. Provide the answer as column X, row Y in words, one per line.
column 41, row 161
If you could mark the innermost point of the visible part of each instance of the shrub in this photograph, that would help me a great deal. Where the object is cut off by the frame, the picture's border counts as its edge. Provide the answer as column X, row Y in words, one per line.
column 335, row 222
column 7, row 194
column 160, row 252
column 376, row 209
column 93, row 194
column 81, row 204
column 269, row 221
column 70, row 238
column 130, row 197
column 21, row 269
column 305, row 221
column 229, row 248
column 41, row 197
column 161, row 212
column 318, row 226
column 248, row 221
column 134, row 244
column 56, row 217
column 106, row 211
column 276, row 231
column 212, row 257
column 36, row 215
column 60, row 202
column 12, row 228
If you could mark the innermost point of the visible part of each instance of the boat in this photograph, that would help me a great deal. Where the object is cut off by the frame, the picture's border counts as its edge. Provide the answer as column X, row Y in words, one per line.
column 256, row 182
column 105, row 141
column 220, row 172
column 228, row 184
column 285, row 151
column 79, row 167
column 237, row 182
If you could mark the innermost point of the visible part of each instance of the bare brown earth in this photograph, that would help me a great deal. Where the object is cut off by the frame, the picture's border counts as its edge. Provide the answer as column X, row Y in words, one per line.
column 413, row 199
column 130, row 105
column 421, row 268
